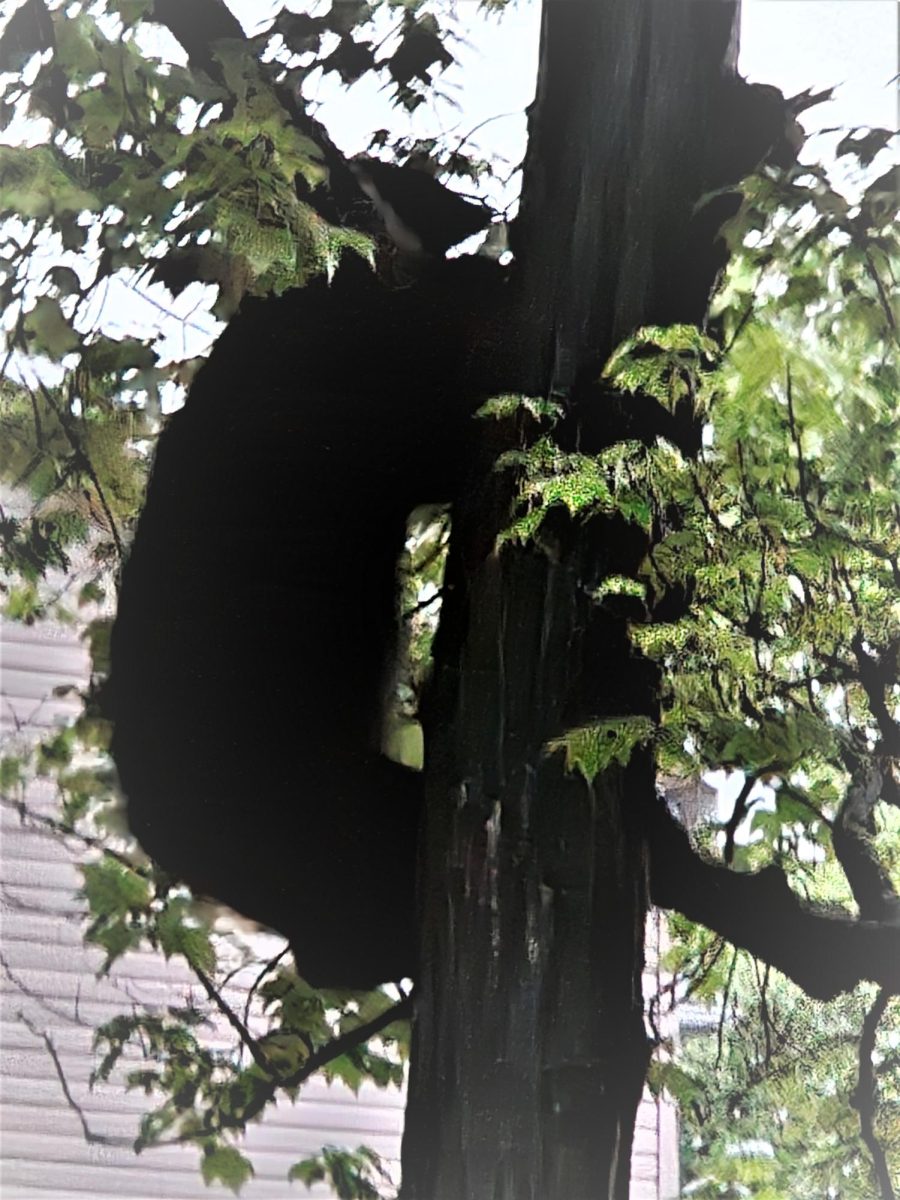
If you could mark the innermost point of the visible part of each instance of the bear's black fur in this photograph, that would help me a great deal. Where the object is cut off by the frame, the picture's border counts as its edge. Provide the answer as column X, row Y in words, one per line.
column 257, row 612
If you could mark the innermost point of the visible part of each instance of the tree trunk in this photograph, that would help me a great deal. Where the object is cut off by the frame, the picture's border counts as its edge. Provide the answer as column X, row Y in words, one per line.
column 529, row 1050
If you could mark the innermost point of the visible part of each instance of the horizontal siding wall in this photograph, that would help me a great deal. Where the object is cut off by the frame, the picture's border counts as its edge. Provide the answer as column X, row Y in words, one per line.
column 55, row 1146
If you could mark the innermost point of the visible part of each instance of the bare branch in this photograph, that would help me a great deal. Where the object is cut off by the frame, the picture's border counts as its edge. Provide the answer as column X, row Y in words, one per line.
column 96, row 1139
column 39, row 999
column 737, row 814
column 247, row 1038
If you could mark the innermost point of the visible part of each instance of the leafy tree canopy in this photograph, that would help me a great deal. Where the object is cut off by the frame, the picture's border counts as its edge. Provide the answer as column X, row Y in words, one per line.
column 771, row 599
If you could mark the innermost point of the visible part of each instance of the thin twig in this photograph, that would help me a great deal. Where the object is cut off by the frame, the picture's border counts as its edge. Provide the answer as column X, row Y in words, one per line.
column 85, row 461
column 267, row 968
column 738, row 813
column 63, row 829
column 37, row 998
column 882, row 295
column 247, row 1038
column 720, row 1032
column 266, row 1090
column 98, row 1139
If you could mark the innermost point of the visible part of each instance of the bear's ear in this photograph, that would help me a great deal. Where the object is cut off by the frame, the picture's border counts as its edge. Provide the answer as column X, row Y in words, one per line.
column 421, row 216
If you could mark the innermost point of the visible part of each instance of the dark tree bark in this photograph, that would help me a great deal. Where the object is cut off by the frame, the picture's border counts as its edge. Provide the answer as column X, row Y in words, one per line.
column 529, row 1046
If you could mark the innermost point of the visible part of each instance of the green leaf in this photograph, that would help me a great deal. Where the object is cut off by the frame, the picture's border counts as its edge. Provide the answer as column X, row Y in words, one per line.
column 353, row 1174
column 36, row 182
column 593, row 748
column 179, row 933
column 97, row 635
column 48, row 331
column 865, row 145
column 11, row 773
column 346, row 1068
column 108, row 356
column 64, row 280
column 679, row 1083
column 24, row 604
column 55, row 753
column 112, row 889
column 226, row 1165
column 91, row 593
column 28, row 31
column 309, row 1171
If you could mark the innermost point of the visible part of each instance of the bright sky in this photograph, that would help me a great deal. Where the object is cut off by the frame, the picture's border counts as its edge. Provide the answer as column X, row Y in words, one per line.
column 797, row 44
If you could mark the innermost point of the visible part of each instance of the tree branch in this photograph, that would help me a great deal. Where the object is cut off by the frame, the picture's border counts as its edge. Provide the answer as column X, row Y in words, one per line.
column 56, row 828
column 851, row 836
column 256, row 1051
column 823, row 953
column 96, row 1139
column 266, row 1089
column 876, row 675
column 328, row 1053
column 65, row 419
column 266, row 968
column 864, row 1098
column 738, row 812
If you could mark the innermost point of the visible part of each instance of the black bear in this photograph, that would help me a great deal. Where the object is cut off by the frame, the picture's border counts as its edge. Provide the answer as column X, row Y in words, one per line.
column 257, row 615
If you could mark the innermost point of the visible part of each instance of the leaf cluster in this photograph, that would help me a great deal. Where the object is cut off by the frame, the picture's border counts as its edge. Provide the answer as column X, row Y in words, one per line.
column 773, row 1066
column 354, row 1174
column 83, row 480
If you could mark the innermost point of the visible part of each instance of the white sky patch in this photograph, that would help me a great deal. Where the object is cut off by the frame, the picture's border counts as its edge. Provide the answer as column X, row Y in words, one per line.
column 817, row 44
column 728, row 785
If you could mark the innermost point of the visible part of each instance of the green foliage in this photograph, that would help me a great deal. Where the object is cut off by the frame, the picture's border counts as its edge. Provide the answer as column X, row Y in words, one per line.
column 302, row 1020
column 159, row 152
column 786, row 534
column 208, row 1095
column 179, row 933
column 23, row 604
column 226, row 1165
column 775, row 568
column 116, row 897
column 781, row 1067
column 11, row 774
column 771, row 602
column 56, row 752
column 76, row 480
column 671, row 364
column 418, row 44
column 593, row 748
column 354, row 1174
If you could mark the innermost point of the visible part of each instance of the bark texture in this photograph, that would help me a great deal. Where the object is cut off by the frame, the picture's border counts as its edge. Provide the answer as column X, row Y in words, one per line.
column 529, row 1046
